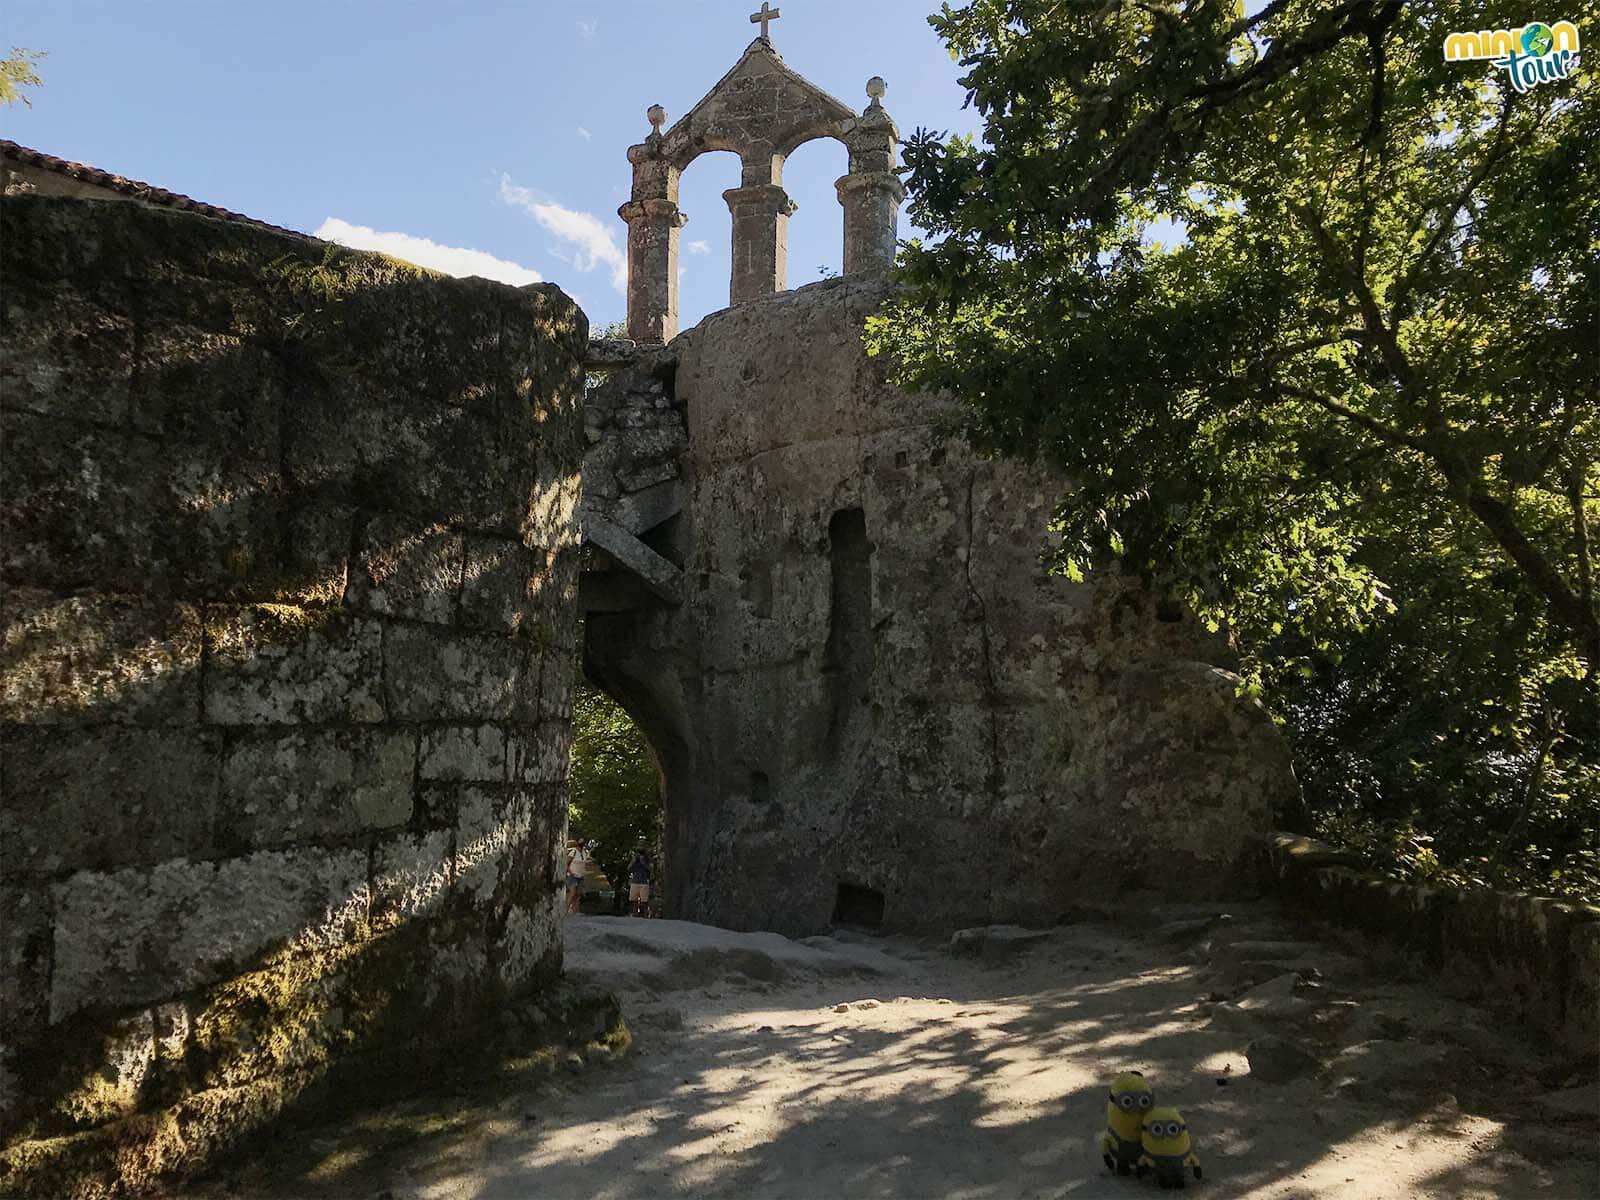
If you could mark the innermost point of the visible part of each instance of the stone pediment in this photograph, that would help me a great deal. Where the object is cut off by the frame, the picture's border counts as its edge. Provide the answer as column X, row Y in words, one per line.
column 758, row 107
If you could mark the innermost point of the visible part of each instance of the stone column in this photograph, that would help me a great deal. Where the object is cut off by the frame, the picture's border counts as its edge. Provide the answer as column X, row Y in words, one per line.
column 653, row 225
column 653, row 221
column 871, row 193
column 760, row 240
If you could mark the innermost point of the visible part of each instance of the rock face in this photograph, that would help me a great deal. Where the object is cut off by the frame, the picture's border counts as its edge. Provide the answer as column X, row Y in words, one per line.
column 290, row 559
column 869, row 702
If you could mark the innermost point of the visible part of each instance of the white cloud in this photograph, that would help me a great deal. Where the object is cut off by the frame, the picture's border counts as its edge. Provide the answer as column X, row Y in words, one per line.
column 586, row 29
column 585, row 134
column 593, row 243
column 700, row 247
column 452, row 260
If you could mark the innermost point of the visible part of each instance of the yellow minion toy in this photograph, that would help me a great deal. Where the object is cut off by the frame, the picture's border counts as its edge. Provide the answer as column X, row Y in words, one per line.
column 1131, row 1098
column 1166, row 1148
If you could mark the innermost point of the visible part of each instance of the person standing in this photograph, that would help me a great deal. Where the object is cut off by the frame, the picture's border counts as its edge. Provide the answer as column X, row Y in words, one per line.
column 577, row 868
column 639, row 884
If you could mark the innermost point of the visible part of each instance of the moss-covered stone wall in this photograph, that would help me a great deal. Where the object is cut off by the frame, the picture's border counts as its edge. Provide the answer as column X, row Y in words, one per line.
column 287, row 568
column 1534, row 959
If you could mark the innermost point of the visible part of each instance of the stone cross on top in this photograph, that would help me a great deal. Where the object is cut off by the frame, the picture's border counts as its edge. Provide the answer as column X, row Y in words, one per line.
column 761, row 110
column 765, row 17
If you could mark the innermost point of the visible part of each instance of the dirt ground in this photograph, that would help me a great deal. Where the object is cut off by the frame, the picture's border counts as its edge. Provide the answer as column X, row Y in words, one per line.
column 859, row 1066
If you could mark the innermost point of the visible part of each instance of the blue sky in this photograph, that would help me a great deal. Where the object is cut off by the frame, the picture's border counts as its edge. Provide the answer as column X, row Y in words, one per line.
column 482, row 125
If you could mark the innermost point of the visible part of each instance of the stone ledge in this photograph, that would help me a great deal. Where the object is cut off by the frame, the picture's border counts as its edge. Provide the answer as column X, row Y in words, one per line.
column 1533, row 954
column 609, row 354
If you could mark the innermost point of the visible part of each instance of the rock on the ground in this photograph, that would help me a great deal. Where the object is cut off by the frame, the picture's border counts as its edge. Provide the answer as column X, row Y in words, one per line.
column 1183, row 933
column 1261, row 951
column 995, row 943
column 1277, row 1060
column 1282, row 998
column 1582, row 1101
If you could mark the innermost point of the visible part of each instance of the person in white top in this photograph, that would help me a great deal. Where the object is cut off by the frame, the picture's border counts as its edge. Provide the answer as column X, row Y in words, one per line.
column 577, row 868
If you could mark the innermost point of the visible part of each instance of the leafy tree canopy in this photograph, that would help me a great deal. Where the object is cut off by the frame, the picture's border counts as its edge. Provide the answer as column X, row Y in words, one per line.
column 1348, row 411
column 17, row 73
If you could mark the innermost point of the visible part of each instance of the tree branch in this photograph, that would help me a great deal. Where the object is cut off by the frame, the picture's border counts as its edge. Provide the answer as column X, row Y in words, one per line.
column 1500, row 521
column 1447, row 219
column 1464, row 483
column 1371, row 424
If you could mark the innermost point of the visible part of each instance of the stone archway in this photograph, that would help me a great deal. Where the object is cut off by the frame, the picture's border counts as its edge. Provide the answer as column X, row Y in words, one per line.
column 870, row 701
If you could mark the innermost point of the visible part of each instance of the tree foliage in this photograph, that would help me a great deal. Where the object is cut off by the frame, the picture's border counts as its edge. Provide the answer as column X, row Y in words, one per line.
column 1349, row 413
column 615, row 788
column 17, row 73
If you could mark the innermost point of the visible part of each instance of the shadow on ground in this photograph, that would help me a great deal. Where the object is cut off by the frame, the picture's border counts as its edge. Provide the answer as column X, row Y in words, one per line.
column 771, row 1068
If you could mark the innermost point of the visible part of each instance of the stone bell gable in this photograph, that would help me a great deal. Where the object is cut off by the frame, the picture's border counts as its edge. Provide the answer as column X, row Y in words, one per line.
column 761, row 110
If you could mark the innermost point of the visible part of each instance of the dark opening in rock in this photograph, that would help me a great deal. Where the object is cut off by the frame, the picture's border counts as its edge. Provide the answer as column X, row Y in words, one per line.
column 760, row 787
column 861, row 907
column 668, row 539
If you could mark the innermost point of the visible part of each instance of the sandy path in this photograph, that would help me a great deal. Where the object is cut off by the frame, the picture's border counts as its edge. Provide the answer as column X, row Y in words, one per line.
column 971, row 1077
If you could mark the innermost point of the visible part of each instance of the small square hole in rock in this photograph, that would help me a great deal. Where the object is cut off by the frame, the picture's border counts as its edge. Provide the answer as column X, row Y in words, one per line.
column 860, row 907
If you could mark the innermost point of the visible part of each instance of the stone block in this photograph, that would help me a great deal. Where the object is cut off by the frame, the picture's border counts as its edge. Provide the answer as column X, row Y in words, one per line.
column 394, row 452
column 435, row 343
column 25, row 940
column 314, row 567
column 289, row 550
column 1276, row 1059
column 526, row 879
column 551, row 519
column 557, row 679
column 463, row 752
column 410, row 876
column 541, row 755
column 98, row 658
column 211, row 297
column 553, row 592
column 135, row 936
column 645, row 509
column 646, row 477
column 658, row 574
column 530, row 938
column 407, row 568
column 220, row 405
column 64, row 356
column 434, row 674
column 83, row 508
column 499, row 582
column 106, row 797
column 490, row 826
column 285, row 786
column 279, row 664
